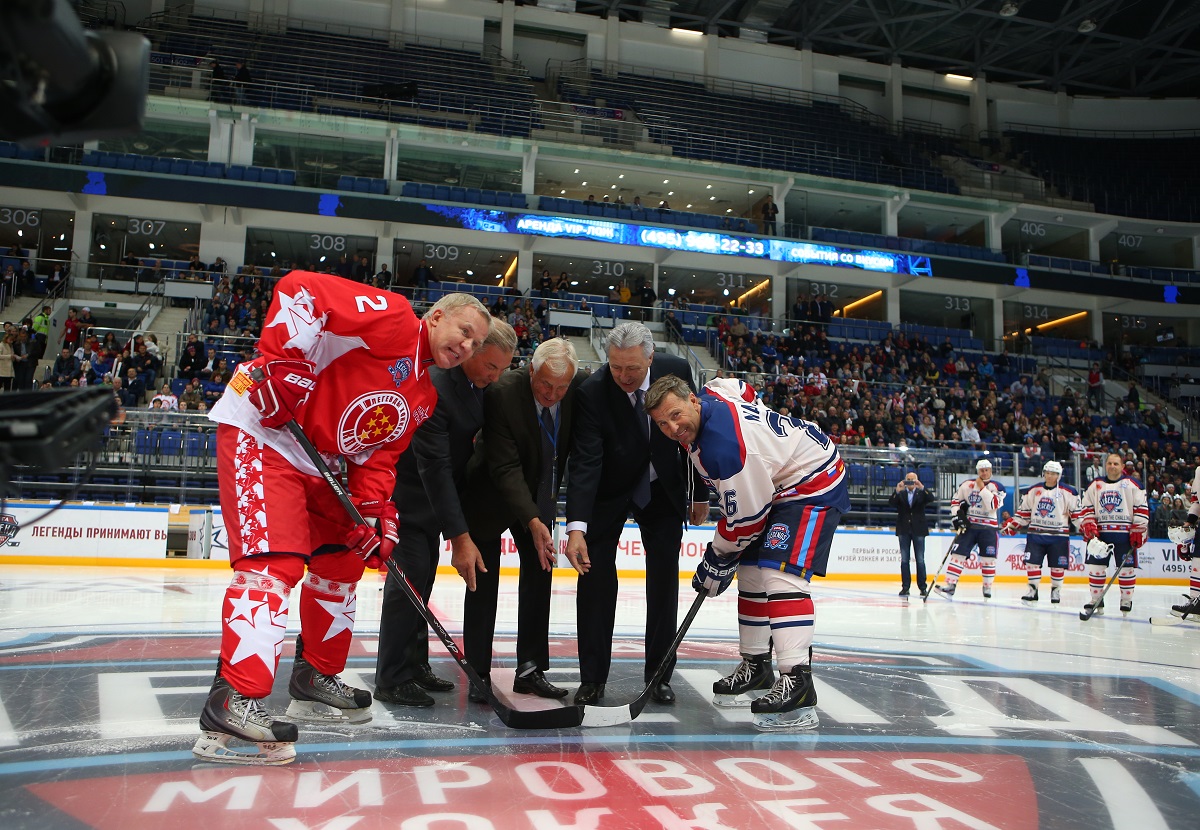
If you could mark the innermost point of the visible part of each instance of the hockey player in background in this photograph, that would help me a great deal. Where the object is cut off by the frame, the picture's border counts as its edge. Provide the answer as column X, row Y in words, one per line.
column 351, row 365
column 781, row 490
column 974, row 505
column 1047, row 510
column 1114, row 513
column 1184, row 537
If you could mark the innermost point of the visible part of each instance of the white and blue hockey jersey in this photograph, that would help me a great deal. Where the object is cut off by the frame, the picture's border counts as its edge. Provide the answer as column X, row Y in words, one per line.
column 754, row 458
column 982, row 505
column 1116, row 506
column 1047, row 511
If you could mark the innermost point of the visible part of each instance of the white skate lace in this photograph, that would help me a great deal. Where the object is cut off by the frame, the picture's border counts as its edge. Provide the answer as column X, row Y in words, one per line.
column 741, row 674
column 251, row 709
column 334, row 684
column 780, row 691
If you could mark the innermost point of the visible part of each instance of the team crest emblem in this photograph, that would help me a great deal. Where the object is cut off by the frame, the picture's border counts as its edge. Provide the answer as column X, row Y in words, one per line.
column 777, row 537
column 371, row 420
column 974, row 500
column 1045, row 507
column 420, row 416
column 400, row 371
column 8, row 528
column 1110, row 501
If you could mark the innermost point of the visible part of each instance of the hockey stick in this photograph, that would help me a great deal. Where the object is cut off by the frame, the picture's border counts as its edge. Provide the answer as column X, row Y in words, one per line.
column 563, row 717
column 1087, row 615
column 941, row 567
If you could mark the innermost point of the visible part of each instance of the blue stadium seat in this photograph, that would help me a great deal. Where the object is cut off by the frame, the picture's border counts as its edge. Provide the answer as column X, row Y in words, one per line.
column 179, row 167
column 458, row 194
column 270, row 175
column 519, row 200
column 215, row 170
column 253, row 174
column 441, row 192
column 236, row 172
column 377, row 186
column 197, row 168
column 345, row 183
column 144, row 164
column 287, row 177
column 410, row 190
column 362, row 184
column 427, row 191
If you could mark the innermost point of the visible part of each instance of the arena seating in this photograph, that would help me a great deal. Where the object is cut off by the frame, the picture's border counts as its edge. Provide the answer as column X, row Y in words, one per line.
column 1150, row 178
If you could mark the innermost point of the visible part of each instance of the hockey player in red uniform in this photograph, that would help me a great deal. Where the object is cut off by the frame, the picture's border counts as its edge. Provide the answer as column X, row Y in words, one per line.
column 781, row 485
column 974, row 506
column 1114, row 518
column 350, row 364
column 1047, row 510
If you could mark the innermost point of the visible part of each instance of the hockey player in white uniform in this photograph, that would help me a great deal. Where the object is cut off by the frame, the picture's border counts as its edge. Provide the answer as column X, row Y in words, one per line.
column 781, row 486
column 1184, row 537
column 1047, row 510
column 1114, row 519
column 974, row 505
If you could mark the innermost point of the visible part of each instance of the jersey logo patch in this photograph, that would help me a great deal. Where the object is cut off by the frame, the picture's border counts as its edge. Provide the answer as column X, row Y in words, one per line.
column 974, row 499
column 400, row 371
column 1110, row 501
column 420, row 416
column 371, row 420
column 1045, row 507
column 777, row 537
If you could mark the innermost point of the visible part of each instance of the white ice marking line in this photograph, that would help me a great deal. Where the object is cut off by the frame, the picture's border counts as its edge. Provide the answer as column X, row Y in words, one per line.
column 833, row 703
column 380, row 714
column 1128, row 804
column 8, row 737
column 129, row 703
column 48, row 646
column 972, row 714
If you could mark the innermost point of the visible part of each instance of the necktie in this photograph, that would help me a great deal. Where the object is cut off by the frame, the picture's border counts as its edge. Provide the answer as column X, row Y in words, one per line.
column 641, row 493
column 546, row 498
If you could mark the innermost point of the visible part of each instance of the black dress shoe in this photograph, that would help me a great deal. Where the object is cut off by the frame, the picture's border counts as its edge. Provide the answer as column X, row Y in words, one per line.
column 903, row 592
column 430, row 682
column 535, row 683
column 475, row 695
column 589, row 693
column 407, row 693
column 663, row 693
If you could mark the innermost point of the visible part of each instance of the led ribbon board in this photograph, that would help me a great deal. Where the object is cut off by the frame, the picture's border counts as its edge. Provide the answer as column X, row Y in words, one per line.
column 692, row 241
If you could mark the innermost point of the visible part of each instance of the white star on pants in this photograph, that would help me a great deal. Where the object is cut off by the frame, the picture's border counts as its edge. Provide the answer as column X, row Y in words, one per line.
column 342, row 612
column 260, row 637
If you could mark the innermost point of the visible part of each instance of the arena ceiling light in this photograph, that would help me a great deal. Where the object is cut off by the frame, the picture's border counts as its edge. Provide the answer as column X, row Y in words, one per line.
column 1086, row 25
column 1009, row 9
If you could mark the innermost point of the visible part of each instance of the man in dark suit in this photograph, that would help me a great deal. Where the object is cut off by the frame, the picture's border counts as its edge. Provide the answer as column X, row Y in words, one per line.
column 429, row 477
column 512, row 483
column 912, row 527
column 620, row 465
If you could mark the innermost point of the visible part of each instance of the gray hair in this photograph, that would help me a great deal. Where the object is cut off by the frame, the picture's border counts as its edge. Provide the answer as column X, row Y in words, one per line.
column 558, row 355
column 451, row 302
column 628, row 335
column 501, row 335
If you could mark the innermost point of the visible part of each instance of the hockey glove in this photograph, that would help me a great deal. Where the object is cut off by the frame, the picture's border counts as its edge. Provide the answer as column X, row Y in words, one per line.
column 1011, row 528
column 1137, row 537
column 1183, row 534
column 280, row 389
column 384, row 527
column 714, row 574
column 1089, row 529
column 959, row 524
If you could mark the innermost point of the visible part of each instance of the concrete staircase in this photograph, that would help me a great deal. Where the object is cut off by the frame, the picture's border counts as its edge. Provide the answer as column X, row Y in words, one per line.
column 584, row 351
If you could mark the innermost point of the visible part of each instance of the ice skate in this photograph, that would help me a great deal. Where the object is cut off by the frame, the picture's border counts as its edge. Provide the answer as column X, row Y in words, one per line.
column 1187, row 610
column 1055, row 596
column 751, row 679
column 1127, row 607
column 323, row 698
column 227, row 715
column 987, row 591
column 946, row 591
column 790, row 706
column 1031, row 595
column 1099, row 609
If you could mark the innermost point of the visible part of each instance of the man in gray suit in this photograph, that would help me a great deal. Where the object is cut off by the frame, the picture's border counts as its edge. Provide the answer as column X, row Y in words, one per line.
column 429, row 478
column 513, row 483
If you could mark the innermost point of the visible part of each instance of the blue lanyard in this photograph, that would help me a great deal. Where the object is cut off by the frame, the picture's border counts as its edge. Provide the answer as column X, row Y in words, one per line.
column 552, row 436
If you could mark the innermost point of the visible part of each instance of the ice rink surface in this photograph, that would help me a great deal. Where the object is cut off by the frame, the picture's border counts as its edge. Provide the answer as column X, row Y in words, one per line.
column 942, row 715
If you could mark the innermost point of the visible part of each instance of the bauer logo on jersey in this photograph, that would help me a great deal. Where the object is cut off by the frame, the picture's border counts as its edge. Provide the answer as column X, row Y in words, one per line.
column 371, row 420
column 8, row 528
column 400, row 371
column 1110, row 501
column 1045, row 506
column 777, row 537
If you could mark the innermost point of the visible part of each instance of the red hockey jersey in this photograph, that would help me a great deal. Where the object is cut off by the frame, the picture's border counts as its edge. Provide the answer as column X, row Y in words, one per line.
column 373, row 390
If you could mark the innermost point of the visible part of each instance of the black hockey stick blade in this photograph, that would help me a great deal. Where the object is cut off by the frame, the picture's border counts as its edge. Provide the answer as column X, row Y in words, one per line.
column 941, row 567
